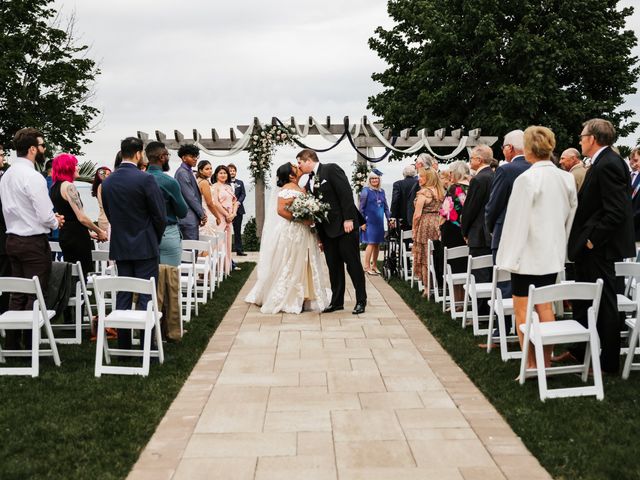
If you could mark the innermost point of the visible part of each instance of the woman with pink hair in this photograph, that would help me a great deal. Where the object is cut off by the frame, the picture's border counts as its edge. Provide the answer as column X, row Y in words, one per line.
column 75, row 240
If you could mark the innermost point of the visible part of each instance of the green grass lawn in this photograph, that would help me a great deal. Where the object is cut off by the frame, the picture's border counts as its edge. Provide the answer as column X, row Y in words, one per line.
column 573, row 438
column 67, row 424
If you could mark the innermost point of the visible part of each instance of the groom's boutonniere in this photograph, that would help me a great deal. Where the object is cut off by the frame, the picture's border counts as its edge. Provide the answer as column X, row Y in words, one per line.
column 323, row 182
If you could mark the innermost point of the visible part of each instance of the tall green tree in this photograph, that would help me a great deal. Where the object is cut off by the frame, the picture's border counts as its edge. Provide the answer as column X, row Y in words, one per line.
column 46, row 79
column 505, row 64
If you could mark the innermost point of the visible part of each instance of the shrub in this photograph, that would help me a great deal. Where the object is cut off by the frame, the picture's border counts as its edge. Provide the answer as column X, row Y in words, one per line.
column 250, row 240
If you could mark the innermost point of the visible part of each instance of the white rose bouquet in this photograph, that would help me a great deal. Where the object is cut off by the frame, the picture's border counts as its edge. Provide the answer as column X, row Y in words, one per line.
column 307, row 207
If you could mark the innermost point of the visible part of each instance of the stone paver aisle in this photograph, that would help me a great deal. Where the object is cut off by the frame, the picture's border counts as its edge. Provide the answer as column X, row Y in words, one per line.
column 332, row 396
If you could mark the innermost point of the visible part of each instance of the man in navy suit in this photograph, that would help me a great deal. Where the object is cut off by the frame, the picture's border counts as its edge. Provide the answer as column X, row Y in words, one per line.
column 135, row 207
column 400, row 197
column 241, row 194
column 196, row 216
column 602, row 234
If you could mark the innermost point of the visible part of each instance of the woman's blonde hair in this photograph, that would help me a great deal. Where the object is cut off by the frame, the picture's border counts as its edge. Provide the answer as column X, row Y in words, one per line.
column 432, row 180
column 540, row 141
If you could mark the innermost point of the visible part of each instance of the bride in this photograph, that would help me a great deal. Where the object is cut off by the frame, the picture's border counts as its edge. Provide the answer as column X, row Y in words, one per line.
column 290, row 274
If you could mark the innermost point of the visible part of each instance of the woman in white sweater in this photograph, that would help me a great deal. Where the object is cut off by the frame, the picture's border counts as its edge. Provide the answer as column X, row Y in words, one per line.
column 540, row 212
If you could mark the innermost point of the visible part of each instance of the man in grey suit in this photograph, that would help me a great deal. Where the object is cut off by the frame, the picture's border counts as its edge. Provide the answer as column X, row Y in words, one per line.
column 196, row 216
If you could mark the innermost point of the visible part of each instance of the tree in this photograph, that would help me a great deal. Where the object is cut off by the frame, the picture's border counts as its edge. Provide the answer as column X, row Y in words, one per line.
column 45, row 78
column 505, row 64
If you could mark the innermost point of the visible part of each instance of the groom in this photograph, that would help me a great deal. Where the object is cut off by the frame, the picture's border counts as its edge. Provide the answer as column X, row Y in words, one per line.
column 339, row 234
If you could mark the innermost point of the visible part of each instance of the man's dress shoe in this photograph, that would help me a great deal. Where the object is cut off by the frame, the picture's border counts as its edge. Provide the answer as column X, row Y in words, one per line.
column 332, row 308
column 359, row 308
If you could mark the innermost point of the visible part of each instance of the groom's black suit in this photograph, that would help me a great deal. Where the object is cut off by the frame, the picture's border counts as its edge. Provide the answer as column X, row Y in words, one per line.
column 340, row 248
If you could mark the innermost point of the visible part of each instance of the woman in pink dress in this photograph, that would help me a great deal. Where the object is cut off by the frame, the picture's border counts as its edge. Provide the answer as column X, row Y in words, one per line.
column 226, row 203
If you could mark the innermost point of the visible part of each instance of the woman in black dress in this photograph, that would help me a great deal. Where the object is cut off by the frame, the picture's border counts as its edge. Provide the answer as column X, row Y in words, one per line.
column 75, row 241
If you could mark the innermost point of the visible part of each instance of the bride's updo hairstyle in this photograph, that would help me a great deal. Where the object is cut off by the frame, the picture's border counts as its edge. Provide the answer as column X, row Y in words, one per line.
column 284, row 172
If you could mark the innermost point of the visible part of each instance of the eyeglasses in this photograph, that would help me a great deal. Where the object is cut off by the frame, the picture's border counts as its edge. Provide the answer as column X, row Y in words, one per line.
column 506, row 145
column 585, row 135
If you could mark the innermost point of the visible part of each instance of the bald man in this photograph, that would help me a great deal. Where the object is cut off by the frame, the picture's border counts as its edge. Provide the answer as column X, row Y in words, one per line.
column 571, row 161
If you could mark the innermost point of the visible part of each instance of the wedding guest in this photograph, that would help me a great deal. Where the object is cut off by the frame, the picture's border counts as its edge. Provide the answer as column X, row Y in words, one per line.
column 29, row 217
column 536, row 228
column 571, row 161
column 450, row 211
column 426, row 221
column 5, row 264
column 227, row 206
column 135, row 208
column 602, row 234
column 118, row 160
column 196, row 216
column 424, row 160
column 203, row 177
column 171, row 244
column 634, row 163
column 96, row 191
column 400, row 197
column 75, row 240
column 374, row 209
column 474, row 229
column 241, row 194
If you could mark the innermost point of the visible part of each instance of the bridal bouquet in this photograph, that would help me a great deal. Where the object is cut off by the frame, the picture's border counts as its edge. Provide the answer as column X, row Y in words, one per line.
column 308, row 207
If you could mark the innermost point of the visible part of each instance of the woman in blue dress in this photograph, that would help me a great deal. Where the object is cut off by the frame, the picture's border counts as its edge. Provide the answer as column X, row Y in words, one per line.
column 374, row 208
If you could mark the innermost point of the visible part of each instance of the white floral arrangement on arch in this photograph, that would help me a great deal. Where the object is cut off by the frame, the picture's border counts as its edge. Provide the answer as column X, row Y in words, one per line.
column 262, row 147
column 359, row 176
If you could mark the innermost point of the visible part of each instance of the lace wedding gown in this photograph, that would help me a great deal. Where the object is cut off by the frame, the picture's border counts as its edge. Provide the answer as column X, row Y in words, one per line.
column 289, row 266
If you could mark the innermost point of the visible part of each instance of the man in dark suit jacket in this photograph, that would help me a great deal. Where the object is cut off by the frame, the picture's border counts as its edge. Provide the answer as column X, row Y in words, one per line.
column 496, row 209
column 634, row 163
column 241, row 194
column 400, row 197
column 602, row 234
column 196, row 216
column 135, row 207
column 474, row 229
column 339, row 234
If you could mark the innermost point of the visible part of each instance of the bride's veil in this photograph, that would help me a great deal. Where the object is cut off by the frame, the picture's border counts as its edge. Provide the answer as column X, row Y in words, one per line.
column 271, row 228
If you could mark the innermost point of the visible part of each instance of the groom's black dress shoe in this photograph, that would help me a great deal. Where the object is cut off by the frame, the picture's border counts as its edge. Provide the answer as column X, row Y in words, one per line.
column 331, row 308
column 359, row 308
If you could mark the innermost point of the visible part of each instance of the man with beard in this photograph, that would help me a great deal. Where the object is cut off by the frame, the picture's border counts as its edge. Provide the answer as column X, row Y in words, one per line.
column 171, row 244
column 29, row 217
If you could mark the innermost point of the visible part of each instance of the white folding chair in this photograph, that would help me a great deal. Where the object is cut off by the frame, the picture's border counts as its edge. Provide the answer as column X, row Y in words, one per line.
column 212, row 261
column 631, row 273
column 633, row 322
column 222, row 255
column 79, row 301
column 432, row 279
column 56, row 250
column 102, row 264
column 187, row 290
column 144, row 320
column 474, row 291
column 501, row 307
column 559, row 332
column 451, row 279
column 35, row 319
column 405, row 254
column 201, row 269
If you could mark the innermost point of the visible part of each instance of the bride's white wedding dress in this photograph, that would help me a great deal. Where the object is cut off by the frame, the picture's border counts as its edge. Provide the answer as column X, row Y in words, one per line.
column 289, row 266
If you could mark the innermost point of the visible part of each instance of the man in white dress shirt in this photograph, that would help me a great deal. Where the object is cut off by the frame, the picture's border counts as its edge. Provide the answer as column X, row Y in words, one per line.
column 29, row 217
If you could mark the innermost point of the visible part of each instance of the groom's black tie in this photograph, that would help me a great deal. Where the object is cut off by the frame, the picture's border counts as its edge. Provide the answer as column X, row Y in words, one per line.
column 308, row 186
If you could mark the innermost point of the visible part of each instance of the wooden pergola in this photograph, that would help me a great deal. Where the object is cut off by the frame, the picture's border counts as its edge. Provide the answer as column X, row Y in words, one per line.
column 365, row 139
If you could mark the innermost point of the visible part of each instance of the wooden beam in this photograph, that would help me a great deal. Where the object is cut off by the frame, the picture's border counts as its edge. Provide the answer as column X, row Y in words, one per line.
column 214, row 135
column 404, row 134
column 232, row 134
column 196, row 135
column 474, row 134
column 440, row 133
column 328, row 125
column 456, row 133
column 143, row 136
column 178, row 136
column 161, row 136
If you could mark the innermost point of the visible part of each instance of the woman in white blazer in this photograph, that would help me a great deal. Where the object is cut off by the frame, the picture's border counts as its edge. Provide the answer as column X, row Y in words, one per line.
column 540, row 212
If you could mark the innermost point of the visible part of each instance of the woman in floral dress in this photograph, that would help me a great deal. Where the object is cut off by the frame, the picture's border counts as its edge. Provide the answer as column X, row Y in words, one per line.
column 450, row 230
column 426, row 221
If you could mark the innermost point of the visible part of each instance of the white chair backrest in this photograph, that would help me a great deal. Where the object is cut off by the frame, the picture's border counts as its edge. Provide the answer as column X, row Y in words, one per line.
column 55, row 247
column 100, row 255
column 188, row 256
column 567, row 291
column 19, row 285
column 628, row 269
column 484, row 261
column 124, row 284
column 405, row 235
column 199, row 245
column 500, row 275
column 455, row 252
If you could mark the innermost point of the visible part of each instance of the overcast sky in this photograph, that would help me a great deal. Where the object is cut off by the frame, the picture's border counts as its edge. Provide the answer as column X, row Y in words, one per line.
column 215, row 64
